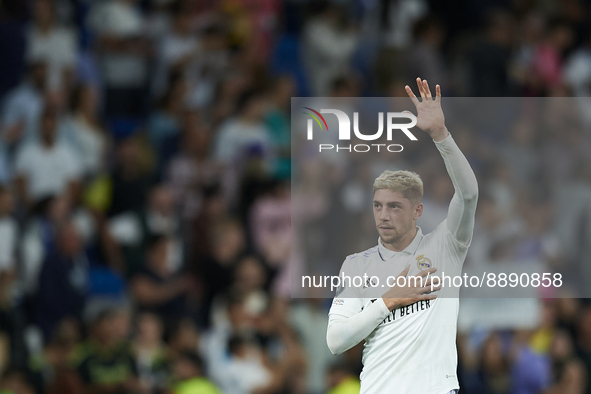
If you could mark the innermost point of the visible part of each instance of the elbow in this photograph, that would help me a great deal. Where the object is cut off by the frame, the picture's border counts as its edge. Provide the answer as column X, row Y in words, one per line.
column 471, row 195
column 335, row 345
column 335, row 348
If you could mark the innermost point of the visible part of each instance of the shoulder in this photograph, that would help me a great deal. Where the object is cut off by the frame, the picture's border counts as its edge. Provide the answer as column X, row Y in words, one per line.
column 361, row 258
column 442, row 238
column 365, row 254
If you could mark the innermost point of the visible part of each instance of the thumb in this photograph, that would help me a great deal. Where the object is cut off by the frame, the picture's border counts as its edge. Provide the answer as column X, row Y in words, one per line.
column 407, row 111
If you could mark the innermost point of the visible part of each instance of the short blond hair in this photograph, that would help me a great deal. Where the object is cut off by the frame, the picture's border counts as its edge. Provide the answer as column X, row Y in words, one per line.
column 408, row 183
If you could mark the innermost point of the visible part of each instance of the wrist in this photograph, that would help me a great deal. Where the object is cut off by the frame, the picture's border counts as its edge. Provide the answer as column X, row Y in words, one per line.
column 391, row 303
column 439, row 134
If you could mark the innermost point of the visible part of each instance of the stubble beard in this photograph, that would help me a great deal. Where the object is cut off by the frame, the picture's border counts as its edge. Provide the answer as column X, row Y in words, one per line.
column 396, row 237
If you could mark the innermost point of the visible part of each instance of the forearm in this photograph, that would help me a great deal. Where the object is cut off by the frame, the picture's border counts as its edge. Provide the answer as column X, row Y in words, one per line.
column 345, row 332
column 460, row 218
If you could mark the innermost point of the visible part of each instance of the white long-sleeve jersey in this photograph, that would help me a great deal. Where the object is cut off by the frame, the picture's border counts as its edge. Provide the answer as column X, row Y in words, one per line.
column 410, row 350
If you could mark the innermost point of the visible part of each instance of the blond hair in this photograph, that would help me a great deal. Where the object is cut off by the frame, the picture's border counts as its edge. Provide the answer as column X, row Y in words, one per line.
column 408, row 183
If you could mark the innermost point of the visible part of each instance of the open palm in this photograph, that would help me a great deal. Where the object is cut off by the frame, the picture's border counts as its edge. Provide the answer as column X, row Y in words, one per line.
column 429, row 113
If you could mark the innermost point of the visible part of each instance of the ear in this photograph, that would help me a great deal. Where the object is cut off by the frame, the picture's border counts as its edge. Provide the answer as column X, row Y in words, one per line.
column 418, row 211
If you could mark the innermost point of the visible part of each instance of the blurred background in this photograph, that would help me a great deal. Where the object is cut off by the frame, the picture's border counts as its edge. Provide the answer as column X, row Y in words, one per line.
column 145, row 202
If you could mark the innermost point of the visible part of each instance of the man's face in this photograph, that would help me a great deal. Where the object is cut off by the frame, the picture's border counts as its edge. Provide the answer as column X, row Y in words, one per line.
column 395, row 215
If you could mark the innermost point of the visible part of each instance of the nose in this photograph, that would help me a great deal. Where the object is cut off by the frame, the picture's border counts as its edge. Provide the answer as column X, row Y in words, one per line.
column 383, row 215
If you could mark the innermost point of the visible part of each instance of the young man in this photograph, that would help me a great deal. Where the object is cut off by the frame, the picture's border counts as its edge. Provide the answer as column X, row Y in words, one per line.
column 409, row 333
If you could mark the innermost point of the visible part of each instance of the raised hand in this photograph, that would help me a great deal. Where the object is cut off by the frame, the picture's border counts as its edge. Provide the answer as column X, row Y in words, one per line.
column 429, row 113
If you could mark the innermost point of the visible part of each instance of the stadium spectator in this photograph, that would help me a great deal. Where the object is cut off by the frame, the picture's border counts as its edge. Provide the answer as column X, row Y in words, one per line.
column 188, row 374
column 156, row 287
column 82, row 129
column 330, row 40
column 63, row 282
column 24, row 105
column 124, row 51
column 54, row 45
column 48, row 167
column 105, row 362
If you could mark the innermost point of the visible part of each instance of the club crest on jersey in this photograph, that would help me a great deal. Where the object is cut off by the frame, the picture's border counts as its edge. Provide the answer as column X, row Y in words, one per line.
column 370, row 282
column 423, row 263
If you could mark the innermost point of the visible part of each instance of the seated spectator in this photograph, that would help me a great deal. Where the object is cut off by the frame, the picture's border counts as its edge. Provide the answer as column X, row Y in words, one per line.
column 250, row 278
column 105, row 363
column 270, row 224
column 215, row 268
column 158, row 289
column 569, row 374
column 192, row 169
column 130, row 181
column 245, row 132
column 150, row 352
column 53, row 44
column 46, row 168
column 133, row 230
column 116, row 197
column 329, row 45
column 24, row 105
column 83, row 131
column 208, row 67
column 183, row 337
column 165, row 123
column 124, row 55
column 63, row 280
column 248, row 371
column 189, row 376
column 176, row 49
column 50, row 370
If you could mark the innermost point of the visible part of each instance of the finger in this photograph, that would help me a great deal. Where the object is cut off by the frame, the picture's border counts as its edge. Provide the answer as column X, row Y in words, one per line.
column 427, row 297
column 412, row 96
column 428, row 289
column 420, row 85
column 437, row 93
column 427, row 90
column 405, row 271
column 428, row 271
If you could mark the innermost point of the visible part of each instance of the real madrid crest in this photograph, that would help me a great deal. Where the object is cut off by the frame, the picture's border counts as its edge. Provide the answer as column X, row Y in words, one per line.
column 423, row 263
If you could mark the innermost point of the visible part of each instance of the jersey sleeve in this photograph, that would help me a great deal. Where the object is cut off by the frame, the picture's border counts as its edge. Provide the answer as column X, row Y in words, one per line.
column 349, row 322
column 347, row 300
column 462, row 208
column 454, row 250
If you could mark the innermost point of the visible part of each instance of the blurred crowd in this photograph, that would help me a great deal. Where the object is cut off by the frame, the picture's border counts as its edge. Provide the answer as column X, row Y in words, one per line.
column 145, row 194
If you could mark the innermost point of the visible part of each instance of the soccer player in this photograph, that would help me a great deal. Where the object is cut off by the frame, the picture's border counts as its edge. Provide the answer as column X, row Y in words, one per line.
column 409, row 332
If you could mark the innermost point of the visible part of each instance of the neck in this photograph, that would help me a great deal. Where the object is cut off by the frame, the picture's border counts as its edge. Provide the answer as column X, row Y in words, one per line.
column 403, row 242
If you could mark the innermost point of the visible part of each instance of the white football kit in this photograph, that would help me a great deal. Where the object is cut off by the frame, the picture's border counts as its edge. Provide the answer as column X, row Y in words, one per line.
column 411, row 350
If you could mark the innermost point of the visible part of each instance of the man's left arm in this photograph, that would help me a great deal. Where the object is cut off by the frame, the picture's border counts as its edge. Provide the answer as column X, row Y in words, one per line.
column 462, row 208
column 460, row 216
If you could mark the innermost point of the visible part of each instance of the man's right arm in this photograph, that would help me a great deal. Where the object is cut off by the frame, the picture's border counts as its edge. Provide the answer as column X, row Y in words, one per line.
column 348, row 321
column 344, row 331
